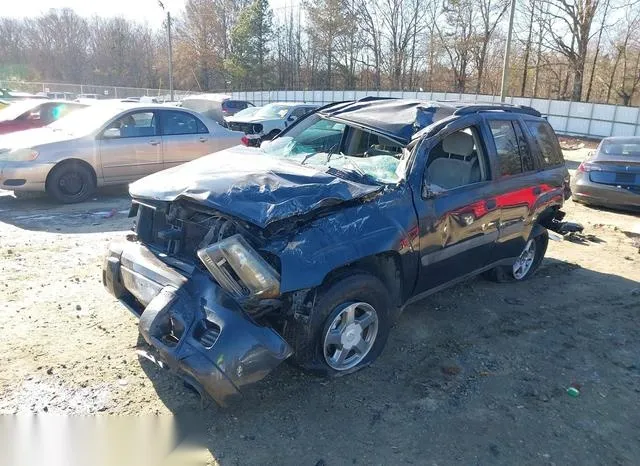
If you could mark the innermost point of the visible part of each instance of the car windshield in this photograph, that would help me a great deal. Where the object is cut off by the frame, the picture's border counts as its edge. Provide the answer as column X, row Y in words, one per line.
column 623, row 148
column 85, row 120
column 321, row 142
column 273, row 111
column 16, row 109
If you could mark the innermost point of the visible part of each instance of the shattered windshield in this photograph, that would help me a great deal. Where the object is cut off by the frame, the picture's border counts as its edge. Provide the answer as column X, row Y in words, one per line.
column 325, row 143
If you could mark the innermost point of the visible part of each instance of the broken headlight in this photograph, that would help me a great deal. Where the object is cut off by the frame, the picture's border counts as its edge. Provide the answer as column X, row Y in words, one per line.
column 239, row 269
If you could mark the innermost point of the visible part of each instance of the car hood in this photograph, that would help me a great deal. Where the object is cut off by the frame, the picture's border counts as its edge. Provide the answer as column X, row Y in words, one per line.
column 254, row 119
column 250, row 185
column 32, row 138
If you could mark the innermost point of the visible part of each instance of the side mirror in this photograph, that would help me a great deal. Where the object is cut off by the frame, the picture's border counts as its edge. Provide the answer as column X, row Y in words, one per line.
column 111, row 133
column 428, row 192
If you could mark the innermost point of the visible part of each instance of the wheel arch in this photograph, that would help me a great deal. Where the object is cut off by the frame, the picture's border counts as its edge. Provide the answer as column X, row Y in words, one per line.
column 63, row 163
column 386, row 266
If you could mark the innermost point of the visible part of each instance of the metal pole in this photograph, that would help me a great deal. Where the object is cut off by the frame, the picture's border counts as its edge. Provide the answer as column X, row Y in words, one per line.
column 507, row 49
column 170, row 56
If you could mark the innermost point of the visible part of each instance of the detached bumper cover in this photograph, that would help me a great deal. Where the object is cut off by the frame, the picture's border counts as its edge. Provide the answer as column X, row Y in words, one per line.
column 192, row 324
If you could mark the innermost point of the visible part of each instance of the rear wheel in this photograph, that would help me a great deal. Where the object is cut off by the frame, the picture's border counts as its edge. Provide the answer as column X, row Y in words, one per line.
column 71, row 182
column 525, row 265
column 347, row 329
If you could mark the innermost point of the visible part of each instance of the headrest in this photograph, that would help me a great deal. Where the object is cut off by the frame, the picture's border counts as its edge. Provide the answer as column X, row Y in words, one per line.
column 458, row 143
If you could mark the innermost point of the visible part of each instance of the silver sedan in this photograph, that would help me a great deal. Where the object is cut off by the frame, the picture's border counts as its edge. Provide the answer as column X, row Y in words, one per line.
column 105, row 144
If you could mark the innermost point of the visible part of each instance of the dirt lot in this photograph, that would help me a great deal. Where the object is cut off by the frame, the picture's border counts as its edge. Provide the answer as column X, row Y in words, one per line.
column 474, row 375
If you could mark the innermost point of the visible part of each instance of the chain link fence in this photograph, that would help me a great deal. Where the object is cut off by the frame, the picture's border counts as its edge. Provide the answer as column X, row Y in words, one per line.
column 106, row 92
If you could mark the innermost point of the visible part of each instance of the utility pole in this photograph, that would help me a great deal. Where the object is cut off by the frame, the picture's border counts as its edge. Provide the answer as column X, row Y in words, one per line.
column 170, row 50
column 171, row 56
column 507, row 50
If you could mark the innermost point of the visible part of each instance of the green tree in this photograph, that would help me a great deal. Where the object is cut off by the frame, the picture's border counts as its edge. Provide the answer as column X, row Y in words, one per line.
column 250, row 39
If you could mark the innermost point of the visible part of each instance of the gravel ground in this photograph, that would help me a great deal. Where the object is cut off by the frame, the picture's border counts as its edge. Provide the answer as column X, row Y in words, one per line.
column 476, row 374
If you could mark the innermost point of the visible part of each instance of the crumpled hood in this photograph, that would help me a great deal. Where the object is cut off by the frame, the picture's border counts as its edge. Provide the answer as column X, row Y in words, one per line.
column 250, row 185
column 32, row 138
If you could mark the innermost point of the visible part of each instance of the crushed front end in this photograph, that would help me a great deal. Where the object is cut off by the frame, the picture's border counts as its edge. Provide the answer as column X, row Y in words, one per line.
column 200, row 316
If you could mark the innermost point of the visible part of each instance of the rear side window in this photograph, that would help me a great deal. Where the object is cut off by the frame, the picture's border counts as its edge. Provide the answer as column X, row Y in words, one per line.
column 547, row 142
column 176, row 123
column 507, row 147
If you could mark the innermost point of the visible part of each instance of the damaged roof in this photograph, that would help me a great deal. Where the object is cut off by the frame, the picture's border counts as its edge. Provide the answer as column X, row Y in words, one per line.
column 400, row 119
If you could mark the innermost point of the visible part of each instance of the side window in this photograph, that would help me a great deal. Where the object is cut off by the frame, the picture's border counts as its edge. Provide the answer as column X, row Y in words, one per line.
column 507, row 148
column 547, row 142
column 457, row 160
column 176, row 123
column 523, row 146
column 136, row 124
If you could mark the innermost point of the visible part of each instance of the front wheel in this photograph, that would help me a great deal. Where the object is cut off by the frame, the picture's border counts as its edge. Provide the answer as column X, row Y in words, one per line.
column 525, row 265
column 347, row 329
column 71, row 182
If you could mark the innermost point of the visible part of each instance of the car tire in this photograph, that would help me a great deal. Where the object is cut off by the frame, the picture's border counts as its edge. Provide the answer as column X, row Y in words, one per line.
column 354, row 307
column 71, row 182
column 526, row 265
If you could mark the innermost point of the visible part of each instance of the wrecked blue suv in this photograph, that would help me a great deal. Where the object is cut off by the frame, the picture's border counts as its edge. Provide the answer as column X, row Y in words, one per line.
column 310, row 246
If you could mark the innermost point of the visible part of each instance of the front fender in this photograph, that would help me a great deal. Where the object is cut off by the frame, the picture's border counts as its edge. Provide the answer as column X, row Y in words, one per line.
column 387, row 223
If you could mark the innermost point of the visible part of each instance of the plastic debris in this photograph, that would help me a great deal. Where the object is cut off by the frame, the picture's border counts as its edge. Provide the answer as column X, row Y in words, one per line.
column 573, row 392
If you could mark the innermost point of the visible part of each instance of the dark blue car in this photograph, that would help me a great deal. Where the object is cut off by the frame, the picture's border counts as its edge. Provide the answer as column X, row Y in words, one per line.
column 310, row 246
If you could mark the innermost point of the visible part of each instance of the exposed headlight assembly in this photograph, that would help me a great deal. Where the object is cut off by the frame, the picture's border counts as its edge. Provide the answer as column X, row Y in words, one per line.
column 19, row 155
column 239, row 269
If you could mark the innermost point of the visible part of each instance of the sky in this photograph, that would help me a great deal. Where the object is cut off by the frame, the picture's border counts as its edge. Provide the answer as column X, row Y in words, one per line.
column 140, row 10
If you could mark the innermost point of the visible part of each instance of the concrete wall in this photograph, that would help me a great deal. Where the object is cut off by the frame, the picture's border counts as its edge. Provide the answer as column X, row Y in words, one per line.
column 569, row 118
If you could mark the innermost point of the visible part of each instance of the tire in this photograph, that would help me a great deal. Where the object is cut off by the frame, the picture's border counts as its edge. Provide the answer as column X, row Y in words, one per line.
column 312, row 345
column 508, row 273
column 71, row 182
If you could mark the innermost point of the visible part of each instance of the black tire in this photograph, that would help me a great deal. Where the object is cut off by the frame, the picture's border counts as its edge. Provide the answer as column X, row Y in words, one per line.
column 505, row 273
column 71, row 182
column 307, row 338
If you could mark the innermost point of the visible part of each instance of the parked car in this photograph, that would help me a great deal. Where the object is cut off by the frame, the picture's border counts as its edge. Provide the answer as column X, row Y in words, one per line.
column 89, row 96
column 267, row 122
column 106, row 143
column 57, row 95
column 247, row 112
column 610, row 176
column 215, row 106
column 8, row 94
column 310, row 246
column 28, row 114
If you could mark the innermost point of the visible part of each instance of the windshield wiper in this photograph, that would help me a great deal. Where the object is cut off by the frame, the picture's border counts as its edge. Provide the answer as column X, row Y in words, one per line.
column 329, row 154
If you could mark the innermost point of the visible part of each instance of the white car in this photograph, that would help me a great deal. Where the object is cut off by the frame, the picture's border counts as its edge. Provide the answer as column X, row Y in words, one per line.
column 269, row 120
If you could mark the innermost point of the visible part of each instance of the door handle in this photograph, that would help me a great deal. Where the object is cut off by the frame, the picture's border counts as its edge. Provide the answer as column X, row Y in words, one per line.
column 490, row 204
column 203, row 139
column 537, row 190
column 154, row 142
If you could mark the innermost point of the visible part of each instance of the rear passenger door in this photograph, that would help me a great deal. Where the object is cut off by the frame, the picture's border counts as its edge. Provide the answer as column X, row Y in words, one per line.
column 517, row 185
column 184, row 137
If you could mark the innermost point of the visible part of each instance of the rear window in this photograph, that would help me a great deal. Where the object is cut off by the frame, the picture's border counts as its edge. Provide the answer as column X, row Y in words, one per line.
column 631, row 149
column 547, row 142
column 508, row 147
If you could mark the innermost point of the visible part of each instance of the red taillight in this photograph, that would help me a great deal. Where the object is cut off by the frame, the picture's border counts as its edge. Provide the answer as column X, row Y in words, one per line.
column 584, row 167
column 244, row 140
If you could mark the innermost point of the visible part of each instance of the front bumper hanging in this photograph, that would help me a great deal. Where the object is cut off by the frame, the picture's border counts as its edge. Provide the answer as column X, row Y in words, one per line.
column 193, row 326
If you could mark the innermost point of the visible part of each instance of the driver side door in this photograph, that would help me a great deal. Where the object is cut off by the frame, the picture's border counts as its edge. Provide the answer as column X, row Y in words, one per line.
column 130, row 147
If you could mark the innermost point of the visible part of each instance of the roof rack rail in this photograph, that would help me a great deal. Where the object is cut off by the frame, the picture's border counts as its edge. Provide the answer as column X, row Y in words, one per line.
column 475, row 108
